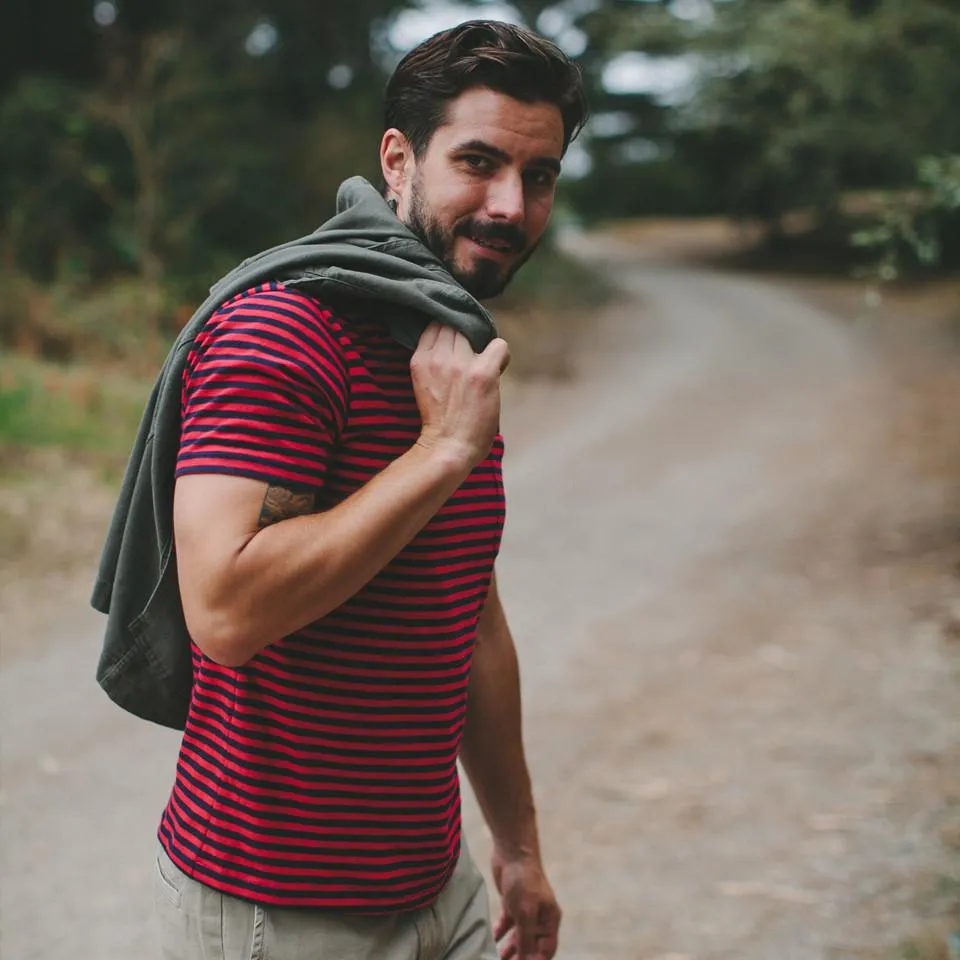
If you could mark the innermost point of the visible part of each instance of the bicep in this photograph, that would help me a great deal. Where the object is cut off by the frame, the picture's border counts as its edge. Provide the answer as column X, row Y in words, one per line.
column 215, row 516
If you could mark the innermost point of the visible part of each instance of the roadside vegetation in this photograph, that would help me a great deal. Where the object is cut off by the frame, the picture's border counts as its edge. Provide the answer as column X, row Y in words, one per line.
column 82, row 362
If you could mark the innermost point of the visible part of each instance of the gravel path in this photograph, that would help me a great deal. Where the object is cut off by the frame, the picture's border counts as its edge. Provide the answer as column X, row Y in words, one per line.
column 739, row 703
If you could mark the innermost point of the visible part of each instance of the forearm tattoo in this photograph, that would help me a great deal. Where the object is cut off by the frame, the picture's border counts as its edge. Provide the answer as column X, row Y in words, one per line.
column 282, row 504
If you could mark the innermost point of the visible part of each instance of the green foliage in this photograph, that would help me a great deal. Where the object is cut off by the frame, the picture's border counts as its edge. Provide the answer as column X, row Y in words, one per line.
column 166, row 150
column 825, row 97
column 77, row 409
column 797, row 103
column 161, row 148
column 909, row 224
column 941, row 177
column 48, row 181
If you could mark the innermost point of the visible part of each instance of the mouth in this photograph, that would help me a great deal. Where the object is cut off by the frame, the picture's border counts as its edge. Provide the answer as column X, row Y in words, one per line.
column 499, row 248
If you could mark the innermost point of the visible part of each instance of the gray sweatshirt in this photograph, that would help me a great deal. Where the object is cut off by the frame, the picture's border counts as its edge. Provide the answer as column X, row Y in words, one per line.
column 362, row 258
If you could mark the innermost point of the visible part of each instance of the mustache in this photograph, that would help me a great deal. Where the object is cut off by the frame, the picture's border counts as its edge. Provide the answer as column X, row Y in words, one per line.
column 507, row 233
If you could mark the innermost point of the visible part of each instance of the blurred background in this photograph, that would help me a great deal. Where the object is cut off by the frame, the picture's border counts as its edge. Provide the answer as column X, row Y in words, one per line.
column 734, row 425
column 146, row 148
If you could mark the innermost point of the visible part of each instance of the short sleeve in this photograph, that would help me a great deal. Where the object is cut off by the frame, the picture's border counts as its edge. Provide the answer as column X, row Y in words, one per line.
column 265, row 391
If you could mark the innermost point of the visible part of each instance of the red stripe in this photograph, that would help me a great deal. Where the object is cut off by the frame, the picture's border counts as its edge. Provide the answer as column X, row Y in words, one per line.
column 341, row 405
column 359, row 704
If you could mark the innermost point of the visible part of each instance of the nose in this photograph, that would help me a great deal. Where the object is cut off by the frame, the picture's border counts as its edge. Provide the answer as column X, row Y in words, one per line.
column 505, row 199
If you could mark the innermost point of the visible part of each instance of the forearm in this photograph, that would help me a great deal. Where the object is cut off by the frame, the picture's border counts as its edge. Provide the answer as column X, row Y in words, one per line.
column 294, row 572
column 492, row 748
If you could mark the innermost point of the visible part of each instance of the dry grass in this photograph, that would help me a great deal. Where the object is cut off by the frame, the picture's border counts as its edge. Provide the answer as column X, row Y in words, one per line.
column 53, row 516
column 63, row 321
column 76, row 407
column 930, row 308
column 693, row 239
column 542, row 343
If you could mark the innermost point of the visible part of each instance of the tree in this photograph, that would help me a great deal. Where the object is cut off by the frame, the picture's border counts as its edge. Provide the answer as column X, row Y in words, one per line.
column 179, row 137
column 795, row 102
column 816, row 98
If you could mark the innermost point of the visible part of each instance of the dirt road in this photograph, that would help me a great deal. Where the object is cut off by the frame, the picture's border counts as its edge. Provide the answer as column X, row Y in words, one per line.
column 739, row 701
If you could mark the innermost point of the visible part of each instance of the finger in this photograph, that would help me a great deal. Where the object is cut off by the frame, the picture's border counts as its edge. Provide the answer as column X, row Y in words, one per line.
column 447, row 338
column 549, row 919
column 508, row 951
column 547, row 946
column 548, row 931
column 504, row 925
column 462, row 349
column 428, row 339
column 497, row 354
column 527, row 937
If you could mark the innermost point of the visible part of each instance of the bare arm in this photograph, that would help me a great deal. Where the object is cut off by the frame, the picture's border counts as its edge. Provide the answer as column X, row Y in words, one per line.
column 492, row 747
column 251, row 570
column 492, row 754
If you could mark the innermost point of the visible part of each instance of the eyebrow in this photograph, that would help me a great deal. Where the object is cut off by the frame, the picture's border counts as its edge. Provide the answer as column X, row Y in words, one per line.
column 481, row 146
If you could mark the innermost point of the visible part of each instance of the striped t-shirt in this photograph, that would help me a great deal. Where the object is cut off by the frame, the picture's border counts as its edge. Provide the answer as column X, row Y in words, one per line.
column 323, row 772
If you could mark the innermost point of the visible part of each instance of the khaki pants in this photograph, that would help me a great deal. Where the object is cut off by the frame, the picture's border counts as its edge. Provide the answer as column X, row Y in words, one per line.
column 198, row 923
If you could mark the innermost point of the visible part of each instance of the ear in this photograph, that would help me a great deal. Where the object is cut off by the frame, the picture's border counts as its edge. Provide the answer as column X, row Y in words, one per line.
column 396, row 161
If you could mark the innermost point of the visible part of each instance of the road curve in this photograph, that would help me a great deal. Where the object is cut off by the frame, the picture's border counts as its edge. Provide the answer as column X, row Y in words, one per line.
column 724, row 711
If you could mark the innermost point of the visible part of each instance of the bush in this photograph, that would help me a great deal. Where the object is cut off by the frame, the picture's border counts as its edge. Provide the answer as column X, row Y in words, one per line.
column 79, row 409
column 125, row 319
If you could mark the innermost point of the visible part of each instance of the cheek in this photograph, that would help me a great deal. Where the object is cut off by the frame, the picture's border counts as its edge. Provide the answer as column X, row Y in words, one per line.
column 538, row 216
column 459, row 199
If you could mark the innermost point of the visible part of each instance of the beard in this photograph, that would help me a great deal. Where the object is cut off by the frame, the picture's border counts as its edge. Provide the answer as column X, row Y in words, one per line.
column 486, row 278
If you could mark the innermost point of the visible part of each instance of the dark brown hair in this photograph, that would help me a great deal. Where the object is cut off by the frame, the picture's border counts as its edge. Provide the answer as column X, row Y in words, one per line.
column 481, row 53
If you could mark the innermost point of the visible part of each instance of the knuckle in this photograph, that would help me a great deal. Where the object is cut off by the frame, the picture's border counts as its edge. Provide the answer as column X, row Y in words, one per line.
column 527, row 909
column 478, row 375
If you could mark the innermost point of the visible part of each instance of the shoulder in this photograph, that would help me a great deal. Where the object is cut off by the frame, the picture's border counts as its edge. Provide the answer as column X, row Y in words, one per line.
column 280, row 314
column 277, row 325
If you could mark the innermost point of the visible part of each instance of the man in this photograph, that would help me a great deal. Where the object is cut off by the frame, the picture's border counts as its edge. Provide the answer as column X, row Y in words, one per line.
column 337, row 512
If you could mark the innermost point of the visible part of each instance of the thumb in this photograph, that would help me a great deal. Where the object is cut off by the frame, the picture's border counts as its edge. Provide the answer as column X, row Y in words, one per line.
column 497, row 354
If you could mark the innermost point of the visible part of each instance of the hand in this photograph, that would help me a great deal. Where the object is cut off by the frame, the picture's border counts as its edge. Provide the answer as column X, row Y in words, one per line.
column 458, row 392
column 529, row 924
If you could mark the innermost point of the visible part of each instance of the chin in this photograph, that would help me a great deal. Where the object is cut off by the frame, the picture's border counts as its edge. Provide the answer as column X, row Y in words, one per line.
column 486, row 278
column 482, row 279
column 483, row 286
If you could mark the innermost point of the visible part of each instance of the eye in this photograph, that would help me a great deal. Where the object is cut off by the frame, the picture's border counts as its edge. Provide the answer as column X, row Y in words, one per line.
column 477, row 162
column 541, row 179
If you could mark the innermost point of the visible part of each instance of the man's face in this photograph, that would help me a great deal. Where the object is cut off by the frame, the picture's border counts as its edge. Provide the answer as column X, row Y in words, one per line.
column 481, row 194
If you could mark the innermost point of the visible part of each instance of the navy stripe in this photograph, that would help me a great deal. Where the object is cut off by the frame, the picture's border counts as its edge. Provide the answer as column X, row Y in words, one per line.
column 323, row 773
